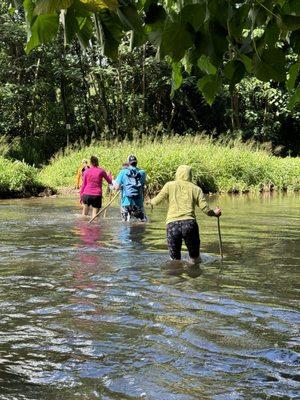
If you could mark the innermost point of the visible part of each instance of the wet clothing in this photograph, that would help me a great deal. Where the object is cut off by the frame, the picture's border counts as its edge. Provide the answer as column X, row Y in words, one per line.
column 90, row 200
column 132, row 211
column 120, row 180
column 79, row 175
column 132, row 205
column 92, row 181
column 186, row 230
column 183, row 197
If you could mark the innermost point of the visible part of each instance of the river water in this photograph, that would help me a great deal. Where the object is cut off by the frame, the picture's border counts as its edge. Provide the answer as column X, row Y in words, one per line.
column 96, row 311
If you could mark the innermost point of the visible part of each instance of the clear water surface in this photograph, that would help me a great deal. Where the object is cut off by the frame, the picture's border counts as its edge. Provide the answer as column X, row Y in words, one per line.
column 97, row 312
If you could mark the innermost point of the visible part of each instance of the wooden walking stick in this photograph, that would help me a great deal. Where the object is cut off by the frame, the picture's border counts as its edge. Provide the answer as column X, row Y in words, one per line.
column 220, row 241
column 104, row 208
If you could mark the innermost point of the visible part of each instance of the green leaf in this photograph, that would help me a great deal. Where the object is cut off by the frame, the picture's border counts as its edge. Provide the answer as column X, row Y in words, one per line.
column 292, row 23
column 131, row 20
column 43, row 30
column 51, row 6
column 206, row 66
column 155, row 21
column 293, row 75
column 209, row 86
column 235, row 71
column 270, row 65
column 292, row 7
column 246, row 61
column 177, row 78
column 294, row 99
column 237, row 22
column 85, row 30
column 176, row 39
column 112, row 33
column 29, row 9
column 98, row 5
column 271, row 33
column 213, row 42
column 194, row 14
column 295, row 41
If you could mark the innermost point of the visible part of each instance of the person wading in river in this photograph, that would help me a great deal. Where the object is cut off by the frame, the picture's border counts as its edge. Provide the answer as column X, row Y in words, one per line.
column 81, row 170
column 91, row 189
column 131, row 181
column 183, row 197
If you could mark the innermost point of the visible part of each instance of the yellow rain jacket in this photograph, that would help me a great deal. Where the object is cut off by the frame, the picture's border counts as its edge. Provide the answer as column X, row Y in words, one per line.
column 183, row 196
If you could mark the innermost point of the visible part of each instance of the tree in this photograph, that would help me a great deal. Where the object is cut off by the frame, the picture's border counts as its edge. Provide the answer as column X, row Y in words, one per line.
column 224, row 39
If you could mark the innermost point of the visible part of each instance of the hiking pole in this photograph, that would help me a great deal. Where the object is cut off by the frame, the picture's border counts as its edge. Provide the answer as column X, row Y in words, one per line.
column 220, row 242
column 104, row 208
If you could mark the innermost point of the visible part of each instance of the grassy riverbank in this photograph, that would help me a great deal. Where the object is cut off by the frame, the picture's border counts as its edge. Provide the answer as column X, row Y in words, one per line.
column 18, row 179
column 232, row 167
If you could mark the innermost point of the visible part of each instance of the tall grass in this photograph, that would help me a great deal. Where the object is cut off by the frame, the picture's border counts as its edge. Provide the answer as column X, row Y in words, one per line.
column 18, row 178
column 226, row 167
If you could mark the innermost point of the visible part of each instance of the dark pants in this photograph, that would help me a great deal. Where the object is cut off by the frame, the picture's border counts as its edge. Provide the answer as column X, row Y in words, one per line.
column 187, row 230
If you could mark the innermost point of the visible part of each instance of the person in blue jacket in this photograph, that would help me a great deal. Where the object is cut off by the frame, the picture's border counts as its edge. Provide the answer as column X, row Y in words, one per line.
column 131, row 181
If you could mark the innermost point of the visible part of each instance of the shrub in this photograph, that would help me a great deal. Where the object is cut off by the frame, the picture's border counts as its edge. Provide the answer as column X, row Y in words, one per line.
column 230, row 167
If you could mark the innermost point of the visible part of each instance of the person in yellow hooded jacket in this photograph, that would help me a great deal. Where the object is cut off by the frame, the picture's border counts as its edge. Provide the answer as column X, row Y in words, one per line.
column 80, row 171
column 183, row 197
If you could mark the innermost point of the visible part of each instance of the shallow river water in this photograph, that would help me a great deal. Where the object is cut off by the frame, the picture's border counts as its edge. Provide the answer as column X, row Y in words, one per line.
column 96, row 312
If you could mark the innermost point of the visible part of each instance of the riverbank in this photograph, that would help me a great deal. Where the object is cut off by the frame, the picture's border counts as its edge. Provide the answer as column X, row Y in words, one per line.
column 225, row 168
column 18, row 179
column 234, row 167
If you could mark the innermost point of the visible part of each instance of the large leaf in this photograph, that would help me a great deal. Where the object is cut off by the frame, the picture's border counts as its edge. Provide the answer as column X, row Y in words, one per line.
column 43, row 30
column 270, row 65
column 292, row 7
column 295, row 41
column 112, row 33
column 235, row 71
column 271, row 33
column 293, row 75
column 213, row 42
column 206, row 66
column 176, row 39
column 177, row 78
column 209, row 86
column 295, row 98
column 155, row 21
column 194, row 14
column 85, row 30
column 291, row 22
column 29, row 6
column 50, row 6
column 131, row 20
column 237, row 21
column 98, row 5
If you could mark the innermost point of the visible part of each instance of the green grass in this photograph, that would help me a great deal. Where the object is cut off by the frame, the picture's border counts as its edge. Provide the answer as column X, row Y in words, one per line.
column 223, row 167
column 18, row 179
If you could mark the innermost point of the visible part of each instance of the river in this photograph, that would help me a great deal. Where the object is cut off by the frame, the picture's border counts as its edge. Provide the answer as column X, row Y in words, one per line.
column 96, row 311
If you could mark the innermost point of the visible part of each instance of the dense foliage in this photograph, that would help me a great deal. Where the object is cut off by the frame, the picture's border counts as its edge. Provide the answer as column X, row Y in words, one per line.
column 58, row 95
column 18, row 179
column 232, row 167
column 224, row 39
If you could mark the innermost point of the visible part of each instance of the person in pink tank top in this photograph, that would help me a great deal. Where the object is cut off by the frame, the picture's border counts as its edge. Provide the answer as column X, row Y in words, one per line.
column 91, row 189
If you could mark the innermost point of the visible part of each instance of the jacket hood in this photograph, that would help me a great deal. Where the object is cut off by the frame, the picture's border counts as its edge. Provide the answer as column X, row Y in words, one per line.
column 183, row 173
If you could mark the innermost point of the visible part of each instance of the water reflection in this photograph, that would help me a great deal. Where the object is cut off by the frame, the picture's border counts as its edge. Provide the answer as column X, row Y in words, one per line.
column 98, row 312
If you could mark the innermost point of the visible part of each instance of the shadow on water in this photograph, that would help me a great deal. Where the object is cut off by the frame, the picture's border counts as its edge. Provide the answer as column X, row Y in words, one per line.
column 98, row 312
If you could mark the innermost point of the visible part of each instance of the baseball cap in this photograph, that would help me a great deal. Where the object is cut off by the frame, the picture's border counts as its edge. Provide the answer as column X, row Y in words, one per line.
column 132, row 159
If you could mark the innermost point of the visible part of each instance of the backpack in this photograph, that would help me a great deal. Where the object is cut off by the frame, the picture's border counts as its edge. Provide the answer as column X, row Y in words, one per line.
column 132, row 185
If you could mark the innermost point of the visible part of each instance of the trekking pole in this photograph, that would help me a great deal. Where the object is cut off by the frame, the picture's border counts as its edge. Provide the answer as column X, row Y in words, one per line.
column 104, row 208
column 220, row 242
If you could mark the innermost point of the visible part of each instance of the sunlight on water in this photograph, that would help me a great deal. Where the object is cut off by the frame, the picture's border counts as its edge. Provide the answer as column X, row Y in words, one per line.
column 98, row 312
